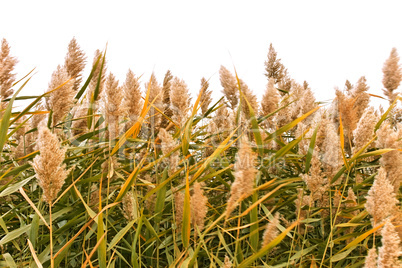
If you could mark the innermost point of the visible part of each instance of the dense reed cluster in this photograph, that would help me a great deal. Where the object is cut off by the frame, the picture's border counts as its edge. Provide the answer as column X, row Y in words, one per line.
column 99, row 173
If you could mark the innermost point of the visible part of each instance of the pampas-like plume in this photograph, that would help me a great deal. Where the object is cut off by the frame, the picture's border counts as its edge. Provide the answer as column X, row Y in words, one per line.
column 228, row 262
column 229, row 84
column 364, row 130
column 61, row 100
column 315, row 181
column 166, row 89
column 179, row 100
column 178, row 205
column 132, row 97
column 270, row 99
column 223, row 119
column 48, row 165
column 390, row 251
column 271, row 231
column 130, row 211
column 371, row 259
column 199, row 207
column 7, row 78
column 113, row 109
column 392, row 75
column 273, row 66
column 381, row 200
column 167, row 145
column 391, row 161
column 361, row 97
column 156, row 96
column 94, row 81
column 78, row 126
column 251, row 98
column 205, row 98
column 245, row 173
column 75, row 62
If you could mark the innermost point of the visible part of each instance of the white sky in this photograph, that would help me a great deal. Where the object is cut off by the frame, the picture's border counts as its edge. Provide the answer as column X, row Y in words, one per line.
column 318, row 41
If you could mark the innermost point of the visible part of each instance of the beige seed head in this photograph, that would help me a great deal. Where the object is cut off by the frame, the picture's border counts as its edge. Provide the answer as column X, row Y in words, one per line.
column 75, row 62
column 179, row 100
column 205, row 99
column 371, row 259
column 229, row 84
column 167, row 145
column 178, row 205
column 132, row 97
column 48, row 165
column 94, row 81
column 392, row 75
column 364, row 130
column 7, row 65
column 228, row 262
column 198, row 204
column 381, row 200
column 155, row 96
column 130, row 211
column 271, row 231
column 245, row 173
column 61, row 100
column 389, row 253
column 270, row 99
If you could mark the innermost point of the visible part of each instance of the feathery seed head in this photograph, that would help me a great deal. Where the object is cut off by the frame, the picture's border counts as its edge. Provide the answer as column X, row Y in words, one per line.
column 205, row 98
column 48, row 165
column 7, row 65
column 371, row 259
column 75, row 62
column 392, row 75
column 271, row 231
column 180, row 100
column 199, row 207
column 389, row 253
column 229, row 84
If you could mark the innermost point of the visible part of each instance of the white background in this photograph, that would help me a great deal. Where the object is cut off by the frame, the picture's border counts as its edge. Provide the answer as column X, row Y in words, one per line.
column 322, row 42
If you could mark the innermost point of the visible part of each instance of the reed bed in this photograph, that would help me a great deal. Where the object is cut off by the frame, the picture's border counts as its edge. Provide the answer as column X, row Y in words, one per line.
column 98, row 173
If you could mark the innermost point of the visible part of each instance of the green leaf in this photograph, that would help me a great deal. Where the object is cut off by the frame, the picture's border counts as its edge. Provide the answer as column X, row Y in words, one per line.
column 14, row 234
column 121, row 234
column 14, row 187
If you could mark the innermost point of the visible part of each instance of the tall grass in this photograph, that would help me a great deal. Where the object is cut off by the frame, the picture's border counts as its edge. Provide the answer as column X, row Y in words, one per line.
column 289, row 182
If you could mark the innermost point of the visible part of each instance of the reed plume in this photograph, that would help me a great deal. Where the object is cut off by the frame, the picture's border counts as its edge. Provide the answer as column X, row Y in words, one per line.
column 270, row 100
column 250, row 97
column 381, row 199
column 167, row 145
column 392, row 75
column 79, row 125
column 132, row 100
column 371, row 259
column 166, row 89
column 205, row 99
column 245, row 173
column 7, row 77
column 113, row 109
column 199, row 209
column 155, row 96
column 48, row 165
column 391, row 250
column 271, row 231
column 61, row 100
column 229, row 84
column 273, row 67
column 130, row 211
column 391, row 161
column 179, row 207
column 179, row 100
column 227, row 263
column 95, row 78
column 75, row 62
column 361, row 97
column 364, row 129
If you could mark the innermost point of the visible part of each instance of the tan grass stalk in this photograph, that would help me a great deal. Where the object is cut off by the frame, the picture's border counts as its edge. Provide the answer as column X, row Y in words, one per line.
column 271, row 231
column 62, row 100
column 245, row 173
column 199, row 209
column 230, row 89
column 206, row 98
column 392, row 75
column 75, row 62
column 381, row 199
column 391, row 250
column 180, row 100
column 7, row 77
